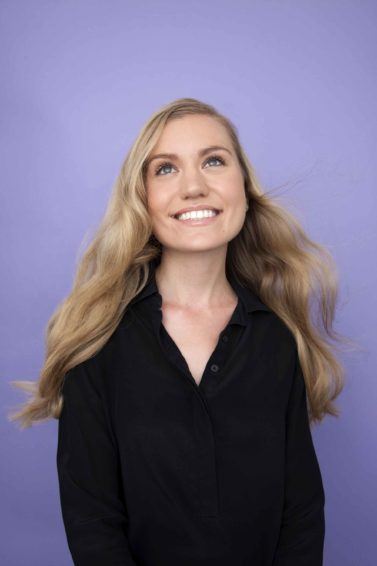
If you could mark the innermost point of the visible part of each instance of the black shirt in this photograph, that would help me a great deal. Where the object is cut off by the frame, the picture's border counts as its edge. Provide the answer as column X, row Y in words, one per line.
column 156, row 470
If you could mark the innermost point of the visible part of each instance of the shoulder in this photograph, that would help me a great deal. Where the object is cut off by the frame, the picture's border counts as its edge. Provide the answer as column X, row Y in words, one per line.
column 81, row 379
column 273, row 338
column 97, row 373
column 269, row 322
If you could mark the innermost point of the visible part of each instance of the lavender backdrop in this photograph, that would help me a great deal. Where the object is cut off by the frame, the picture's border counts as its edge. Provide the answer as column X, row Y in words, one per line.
column 78, row 80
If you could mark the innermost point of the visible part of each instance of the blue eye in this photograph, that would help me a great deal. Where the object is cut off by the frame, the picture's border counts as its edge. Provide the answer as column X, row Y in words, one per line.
column 216, row 158
column 162, row 166
column 168, row 164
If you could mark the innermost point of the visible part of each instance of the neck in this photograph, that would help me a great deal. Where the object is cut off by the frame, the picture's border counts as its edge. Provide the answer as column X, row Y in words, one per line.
column 194, row 280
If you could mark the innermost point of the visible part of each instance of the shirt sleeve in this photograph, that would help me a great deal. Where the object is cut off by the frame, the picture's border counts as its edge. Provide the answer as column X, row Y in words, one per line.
column 302, row 531
column 93, row 510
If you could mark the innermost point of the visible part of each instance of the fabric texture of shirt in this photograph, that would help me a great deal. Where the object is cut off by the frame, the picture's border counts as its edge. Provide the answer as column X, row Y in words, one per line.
column 156, row 470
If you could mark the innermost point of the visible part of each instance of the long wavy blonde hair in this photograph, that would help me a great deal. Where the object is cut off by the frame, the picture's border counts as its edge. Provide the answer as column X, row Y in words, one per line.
column 272, row 255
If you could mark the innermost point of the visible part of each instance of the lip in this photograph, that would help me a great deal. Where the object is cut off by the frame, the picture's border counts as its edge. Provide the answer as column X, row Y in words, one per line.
column 199, row 207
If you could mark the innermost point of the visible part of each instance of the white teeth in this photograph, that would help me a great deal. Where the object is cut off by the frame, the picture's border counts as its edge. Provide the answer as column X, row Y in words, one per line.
column 197, row 214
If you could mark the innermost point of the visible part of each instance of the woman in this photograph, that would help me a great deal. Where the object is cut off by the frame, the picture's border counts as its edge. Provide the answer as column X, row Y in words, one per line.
column 185, row 367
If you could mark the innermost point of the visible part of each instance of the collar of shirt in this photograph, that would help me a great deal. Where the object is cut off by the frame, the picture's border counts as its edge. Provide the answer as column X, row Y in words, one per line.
column 248, row 300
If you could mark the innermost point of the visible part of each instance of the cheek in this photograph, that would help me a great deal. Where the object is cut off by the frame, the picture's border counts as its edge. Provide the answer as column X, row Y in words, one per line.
column 159, row 210
column 156, row 202
column 234, row 201
column 232, row 188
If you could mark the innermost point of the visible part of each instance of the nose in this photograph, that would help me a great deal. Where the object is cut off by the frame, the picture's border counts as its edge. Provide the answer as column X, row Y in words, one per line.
column 193, row 183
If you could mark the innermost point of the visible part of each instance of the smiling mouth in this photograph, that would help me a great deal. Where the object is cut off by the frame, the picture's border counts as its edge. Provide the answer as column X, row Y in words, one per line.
column 198, row 221
column 215, row 210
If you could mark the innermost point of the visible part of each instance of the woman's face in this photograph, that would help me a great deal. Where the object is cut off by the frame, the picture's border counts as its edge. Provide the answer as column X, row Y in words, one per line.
column 194, row 178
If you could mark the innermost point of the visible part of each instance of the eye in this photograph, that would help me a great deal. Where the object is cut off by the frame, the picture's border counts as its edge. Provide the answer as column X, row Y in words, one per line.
column 169, row 165
column 216, row 158
column 162, row 166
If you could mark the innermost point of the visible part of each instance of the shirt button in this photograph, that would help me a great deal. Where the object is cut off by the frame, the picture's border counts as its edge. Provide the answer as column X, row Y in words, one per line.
column 225, row 338
column 214, row 367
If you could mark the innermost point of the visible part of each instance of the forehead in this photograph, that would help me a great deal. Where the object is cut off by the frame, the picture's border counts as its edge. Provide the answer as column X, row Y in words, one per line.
column 190, row 132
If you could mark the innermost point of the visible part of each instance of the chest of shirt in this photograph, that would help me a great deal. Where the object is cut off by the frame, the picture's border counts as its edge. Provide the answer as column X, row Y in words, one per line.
column 180, row 438
column 245, row 385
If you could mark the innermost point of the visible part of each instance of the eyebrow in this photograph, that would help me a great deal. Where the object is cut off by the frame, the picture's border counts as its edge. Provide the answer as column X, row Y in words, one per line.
column 201, row 152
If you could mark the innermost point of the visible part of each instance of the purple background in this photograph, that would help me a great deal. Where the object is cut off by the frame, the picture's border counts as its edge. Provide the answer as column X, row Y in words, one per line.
column 78, row 80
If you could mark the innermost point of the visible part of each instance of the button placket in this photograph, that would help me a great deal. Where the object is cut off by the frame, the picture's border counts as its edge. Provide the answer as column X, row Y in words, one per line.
column 206, row 473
